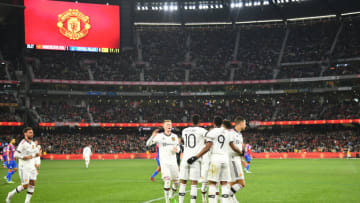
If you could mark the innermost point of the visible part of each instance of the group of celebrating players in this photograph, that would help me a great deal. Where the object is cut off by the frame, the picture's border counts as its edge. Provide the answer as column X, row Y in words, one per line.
column 213, row 157
column 28, row 153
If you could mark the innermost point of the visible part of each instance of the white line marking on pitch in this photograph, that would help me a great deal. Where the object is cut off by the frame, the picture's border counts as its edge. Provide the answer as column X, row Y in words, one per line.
column 160, row 198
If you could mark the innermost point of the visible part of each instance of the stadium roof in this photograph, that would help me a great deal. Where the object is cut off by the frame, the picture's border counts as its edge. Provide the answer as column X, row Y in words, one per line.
column 238, row 10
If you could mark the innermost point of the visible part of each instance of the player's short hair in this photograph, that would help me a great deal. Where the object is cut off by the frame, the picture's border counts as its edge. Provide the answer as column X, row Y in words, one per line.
column 239, row 119
column 167, row 121
column 195, row 119
column 218, row 121
column 27, row 129
column 12, row 140
column 227, row 124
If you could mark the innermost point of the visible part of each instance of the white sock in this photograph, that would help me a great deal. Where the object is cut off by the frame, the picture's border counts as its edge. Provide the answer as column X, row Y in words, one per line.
column 166, row 194
column 18, row 189
column 174, row 188
column 212, row 193
column 193, row 193
column 182, row 193
column 203, row 190
column 29, row 194
column 225, row 193
column 217, row 193
column 167, row 189
column 234, row 189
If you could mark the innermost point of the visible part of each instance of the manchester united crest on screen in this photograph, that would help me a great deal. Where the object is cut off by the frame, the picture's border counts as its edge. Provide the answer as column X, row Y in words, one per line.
column 73, row 24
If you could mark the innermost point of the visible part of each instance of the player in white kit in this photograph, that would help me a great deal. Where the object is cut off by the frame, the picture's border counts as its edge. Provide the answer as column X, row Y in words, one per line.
column 26, row 152
column 86, row 155
column 37, row 159
column 168, row 143
column 194, row 142
column 236, row 171
column 205, row 164
column 220, row 141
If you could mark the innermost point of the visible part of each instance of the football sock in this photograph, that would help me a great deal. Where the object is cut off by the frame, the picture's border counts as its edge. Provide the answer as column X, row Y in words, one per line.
column 182, row 193
column 155, row 173
column 18, row 189
column 247, row 167
column 203, row 191
column 212, row 193
column 8, row 176
column 167, row 189
column 193, row 193
column 225, row 193
column 30, row 191
column 236, row 188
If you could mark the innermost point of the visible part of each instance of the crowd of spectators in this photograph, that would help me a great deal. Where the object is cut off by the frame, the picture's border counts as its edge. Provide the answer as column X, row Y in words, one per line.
column 155, row 109
column 310, row 42
column 61, row 111
column 114, row 67
column 348, row 44
column 59, row 65
column 287, row 140
column 303, row 141
column 163, row 47
column 258, row 48
column 162, row 73
column 7, row 115
column 73, row 143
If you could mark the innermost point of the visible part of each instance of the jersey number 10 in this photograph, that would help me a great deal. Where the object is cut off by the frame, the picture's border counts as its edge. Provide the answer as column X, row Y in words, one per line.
column 190, row 140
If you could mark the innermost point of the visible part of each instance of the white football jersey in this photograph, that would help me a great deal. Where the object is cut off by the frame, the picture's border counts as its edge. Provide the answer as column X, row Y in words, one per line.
column 166, row 145
column 238, row 141
column 221, row 139
column 26, row 148
column 87, row 151
column 194, row 141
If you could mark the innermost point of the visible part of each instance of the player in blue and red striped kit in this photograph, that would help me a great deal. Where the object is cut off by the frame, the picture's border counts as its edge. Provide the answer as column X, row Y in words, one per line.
column 247, row 157
column 4, row 155
column 11, row 162
column 158, row 164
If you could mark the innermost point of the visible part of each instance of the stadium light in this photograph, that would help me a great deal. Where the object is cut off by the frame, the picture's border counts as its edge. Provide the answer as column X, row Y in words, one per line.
column 352, row 13
column 311, row 18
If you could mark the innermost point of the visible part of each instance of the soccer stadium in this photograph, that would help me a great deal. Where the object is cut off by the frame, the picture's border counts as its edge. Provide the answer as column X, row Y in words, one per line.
column 178, row 101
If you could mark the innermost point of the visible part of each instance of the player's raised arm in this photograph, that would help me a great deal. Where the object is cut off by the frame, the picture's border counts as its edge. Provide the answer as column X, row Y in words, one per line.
column 150, row 141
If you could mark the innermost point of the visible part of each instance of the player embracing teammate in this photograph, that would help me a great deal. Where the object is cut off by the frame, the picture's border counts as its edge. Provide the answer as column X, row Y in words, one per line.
column 212, row 157
column 194, row 141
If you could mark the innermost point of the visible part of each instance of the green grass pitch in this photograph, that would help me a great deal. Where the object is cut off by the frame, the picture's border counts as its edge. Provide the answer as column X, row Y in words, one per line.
column 286, row 180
